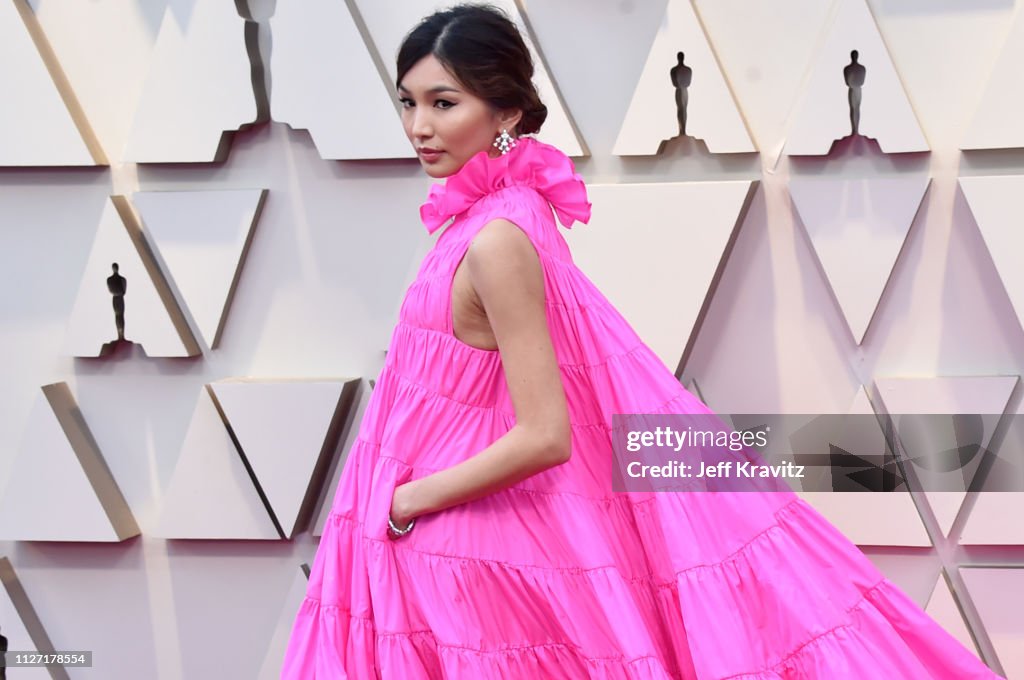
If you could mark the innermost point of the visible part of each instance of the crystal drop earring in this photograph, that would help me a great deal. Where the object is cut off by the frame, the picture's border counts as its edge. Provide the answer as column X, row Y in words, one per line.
column 505, row 142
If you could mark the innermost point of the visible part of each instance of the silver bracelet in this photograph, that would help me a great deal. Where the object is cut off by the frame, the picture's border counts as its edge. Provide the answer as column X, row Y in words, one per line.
column 400, row 532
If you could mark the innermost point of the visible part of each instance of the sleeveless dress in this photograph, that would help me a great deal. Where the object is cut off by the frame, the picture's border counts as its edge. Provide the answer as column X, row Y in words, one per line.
column 559, row 576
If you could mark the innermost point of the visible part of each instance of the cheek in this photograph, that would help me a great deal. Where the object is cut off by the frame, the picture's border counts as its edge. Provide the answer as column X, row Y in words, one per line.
column 469, row 124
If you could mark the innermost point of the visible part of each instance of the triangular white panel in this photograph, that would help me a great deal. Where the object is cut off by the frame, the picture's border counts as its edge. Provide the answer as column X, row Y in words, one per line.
column 199, row 86
column 20, row 624
column 274, row 658
column 40, row 125
column 211, row 494
column 765, row 55
column 147, row 310
column 202, row 238
column 993, row 201
column 60, row 489
column 996, row 123
column 998, row 595
column 335, row 476
column 985, row 396
column 858, row 227
column 321, row 68
column 942, row 607
column 868, row 518
column 658, row 242
column 823, row 113
column 711, row 112
column 388, row 22
column 988, row 522
column 282, row 428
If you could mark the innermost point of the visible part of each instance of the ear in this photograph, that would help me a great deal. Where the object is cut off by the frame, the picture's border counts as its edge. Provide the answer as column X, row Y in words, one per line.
column 508, row 119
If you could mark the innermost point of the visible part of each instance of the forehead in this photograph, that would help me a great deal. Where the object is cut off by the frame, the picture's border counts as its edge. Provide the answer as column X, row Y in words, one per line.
column 429, row 74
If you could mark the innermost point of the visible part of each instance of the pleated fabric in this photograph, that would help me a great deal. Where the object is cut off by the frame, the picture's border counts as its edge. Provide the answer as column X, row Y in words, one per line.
column 559, row 576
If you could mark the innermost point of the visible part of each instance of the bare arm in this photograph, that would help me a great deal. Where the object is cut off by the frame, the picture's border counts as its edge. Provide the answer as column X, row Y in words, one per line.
column 506, row 274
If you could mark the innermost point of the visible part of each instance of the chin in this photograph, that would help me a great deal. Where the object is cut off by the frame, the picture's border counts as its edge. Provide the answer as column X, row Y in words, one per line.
column 437, row 172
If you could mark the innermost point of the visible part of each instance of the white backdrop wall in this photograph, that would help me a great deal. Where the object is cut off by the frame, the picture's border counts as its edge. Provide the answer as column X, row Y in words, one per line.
column 337, row 241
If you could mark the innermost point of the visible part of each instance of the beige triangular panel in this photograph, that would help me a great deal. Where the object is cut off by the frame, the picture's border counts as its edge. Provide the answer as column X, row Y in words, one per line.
column 202, row 238
column 288, row 431
column 993, row 202
column 334, row 475
column 41, row 121
column 325, row 81
column 822, row 115
column 990, row 521
column 997, row 122
column 857, row 228
column 21, row 625
column 773, row 39
column 60, row 488
column 211, row 493
column 711, row 111
column 943, row 608
column 274, row 659
column 868, row 518
column 151, row 315
column 654, row 251
column 978, row 402
column 388, row 22
column 998, row 596
column 199, row 86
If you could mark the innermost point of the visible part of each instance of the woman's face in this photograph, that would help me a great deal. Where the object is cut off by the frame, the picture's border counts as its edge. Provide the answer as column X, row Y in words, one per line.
column 440, row 115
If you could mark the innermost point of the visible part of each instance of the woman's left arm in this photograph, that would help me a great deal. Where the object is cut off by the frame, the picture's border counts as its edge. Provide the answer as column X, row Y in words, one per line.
column 506, row 274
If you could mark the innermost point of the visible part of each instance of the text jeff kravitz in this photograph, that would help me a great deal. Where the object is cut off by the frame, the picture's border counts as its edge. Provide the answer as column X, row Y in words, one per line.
column 744, row 469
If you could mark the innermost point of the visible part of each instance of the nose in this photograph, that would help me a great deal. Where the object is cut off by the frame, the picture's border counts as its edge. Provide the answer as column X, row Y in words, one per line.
column 421, row 124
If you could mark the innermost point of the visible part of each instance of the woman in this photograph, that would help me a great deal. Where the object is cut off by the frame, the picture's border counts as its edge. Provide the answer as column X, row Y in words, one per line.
column 474, row 533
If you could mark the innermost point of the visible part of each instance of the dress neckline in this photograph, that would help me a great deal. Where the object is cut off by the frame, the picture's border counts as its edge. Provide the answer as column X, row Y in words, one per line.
column 530, row 163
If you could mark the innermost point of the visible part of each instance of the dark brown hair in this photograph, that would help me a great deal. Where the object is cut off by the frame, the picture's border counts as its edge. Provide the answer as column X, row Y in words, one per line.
column 482, row 48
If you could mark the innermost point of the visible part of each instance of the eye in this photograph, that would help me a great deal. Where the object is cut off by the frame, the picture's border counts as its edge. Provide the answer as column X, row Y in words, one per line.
column 406, row 102
column 447, row 104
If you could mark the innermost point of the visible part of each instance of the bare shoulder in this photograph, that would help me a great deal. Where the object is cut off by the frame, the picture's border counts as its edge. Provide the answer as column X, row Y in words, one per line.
column 502, row 240
column 501, row 251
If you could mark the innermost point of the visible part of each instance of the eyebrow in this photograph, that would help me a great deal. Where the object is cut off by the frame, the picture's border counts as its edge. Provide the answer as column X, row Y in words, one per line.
column 433, row 90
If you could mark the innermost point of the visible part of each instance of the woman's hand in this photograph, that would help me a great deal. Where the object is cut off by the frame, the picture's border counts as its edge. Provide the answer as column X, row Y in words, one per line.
column 403, row 507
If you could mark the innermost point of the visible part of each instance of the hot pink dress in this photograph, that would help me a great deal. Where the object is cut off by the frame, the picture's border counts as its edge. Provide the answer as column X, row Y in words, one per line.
column 558, row 576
